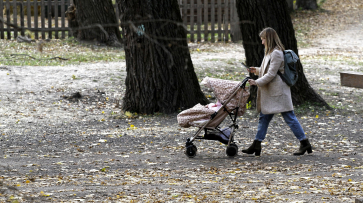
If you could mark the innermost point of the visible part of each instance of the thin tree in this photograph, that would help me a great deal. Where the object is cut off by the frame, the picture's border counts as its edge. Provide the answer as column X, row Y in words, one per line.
column 94, row 20
column 160, row 73
column 255, row 15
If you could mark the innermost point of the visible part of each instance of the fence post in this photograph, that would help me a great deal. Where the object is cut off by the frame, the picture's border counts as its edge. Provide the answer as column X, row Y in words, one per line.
column 206, row 20
column 15, row 19
column 219, row 20
column 185, row 14
column 36, row 20
column 2, row 17
column 63, row 23
column 56, row 17
column 22, row 32
column 42, row 18
column 213, row 20
column 226, row 20
column 192, row 15
column 8, row 19
column 180, row 2
column 29, row 14
column 49, row 15
column 199, row 20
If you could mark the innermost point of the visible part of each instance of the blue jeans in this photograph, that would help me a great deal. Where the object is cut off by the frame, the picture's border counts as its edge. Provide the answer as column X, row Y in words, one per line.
column 289, row 118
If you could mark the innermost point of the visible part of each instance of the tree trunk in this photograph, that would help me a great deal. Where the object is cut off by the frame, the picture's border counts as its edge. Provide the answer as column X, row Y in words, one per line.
column 255, row 15
column 160, row 73
column 96, row 20
column 307, row 4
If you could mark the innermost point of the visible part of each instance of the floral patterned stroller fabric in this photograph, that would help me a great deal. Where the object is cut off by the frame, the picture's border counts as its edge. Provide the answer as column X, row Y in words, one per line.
column 223, row 90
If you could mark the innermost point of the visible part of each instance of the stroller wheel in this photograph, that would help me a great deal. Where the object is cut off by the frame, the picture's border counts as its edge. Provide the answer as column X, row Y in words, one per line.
column 191, row 151
column 232, row 150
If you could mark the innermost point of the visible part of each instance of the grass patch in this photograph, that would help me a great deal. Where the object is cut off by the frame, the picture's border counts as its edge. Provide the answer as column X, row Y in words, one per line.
column 332, row 93
column 226, row 73
column 24, row 54
column 340, row 107
column 310, row 109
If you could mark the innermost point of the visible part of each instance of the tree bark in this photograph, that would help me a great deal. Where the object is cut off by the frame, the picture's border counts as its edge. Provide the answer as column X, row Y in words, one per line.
column 255, row 15
column 95, row 20
column 160, row 73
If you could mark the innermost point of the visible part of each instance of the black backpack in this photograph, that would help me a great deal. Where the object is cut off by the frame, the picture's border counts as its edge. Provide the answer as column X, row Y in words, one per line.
column 290, row 69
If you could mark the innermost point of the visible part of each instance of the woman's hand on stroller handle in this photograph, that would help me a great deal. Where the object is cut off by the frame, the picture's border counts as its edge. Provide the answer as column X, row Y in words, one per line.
column 244, row 81
column 252, row 82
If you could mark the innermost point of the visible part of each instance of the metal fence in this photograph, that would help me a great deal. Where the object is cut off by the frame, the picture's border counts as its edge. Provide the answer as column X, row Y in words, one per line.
column 206, row 20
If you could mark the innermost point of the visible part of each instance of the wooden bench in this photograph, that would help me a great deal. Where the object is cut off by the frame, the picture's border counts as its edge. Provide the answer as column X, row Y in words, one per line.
column 351, row 79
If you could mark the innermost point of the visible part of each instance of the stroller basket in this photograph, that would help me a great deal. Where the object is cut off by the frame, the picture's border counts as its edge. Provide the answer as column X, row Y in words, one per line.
column 232, row 96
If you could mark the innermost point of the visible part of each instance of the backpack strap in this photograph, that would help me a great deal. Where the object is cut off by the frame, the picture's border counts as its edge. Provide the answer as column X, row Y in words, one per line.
column 280, row 74
column 267, row 67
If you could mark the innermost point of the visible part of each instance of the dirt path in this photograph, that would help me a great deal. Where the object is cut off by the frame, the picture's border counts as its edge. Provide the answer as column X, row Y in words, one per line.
column 339, row 42
column 58, row 148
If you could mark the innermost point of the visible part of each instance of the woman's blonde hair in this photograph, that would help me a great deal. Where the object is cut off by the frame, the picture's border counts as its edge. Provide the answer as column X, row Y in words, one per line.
column 272, row 40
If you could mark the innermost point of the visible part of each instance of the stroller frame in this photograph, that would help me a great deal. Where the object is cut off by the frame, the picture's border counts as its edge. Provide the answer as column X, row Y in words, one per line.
column 232, row 148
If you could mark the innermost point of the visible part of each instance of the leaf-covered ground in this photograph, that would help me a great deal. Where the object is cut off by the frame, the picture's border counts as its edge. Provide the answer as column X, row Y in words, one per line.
column 57, row 146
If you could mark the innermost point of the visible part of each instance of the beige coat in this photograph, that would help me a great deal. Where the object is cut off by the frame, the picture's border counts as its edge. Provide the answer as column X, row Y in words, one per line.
column 273, row 94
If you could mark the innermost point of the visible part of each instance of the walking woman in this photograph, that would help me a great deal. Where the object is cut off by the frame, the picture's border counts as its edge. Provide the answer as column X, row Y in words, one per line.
column 274, row 95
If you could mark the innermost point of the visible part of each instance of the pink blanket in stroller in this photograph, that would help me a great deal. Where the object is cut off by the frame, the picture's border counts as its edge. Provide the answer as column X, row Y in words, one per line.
column 223, row 90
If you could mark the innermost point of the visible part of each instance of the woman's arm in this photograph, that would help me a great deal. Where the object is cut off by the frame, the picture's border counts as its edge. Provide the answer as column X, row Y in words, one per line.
column 255, row 70
column 258, row 70
column 277, row 59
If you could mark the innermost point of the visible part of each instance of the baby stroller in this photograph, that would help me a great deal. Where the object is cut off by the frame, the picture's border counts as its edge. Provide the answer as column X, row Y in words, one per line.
column 232, row 98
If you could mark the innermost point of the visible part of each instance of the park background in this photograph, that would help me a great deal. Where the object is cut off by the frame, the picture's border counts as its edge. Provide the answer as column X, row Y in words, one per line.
column 59, row 148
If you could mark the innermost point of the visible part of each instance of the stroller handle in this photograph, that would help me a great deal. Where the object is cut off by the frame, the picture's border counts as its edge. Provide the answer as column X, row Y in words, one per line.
column 244, row 81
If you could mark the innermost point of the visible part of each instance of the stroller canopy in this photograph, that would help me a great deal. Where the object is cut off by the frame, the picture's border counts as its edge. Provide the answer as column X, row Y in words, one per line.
column 223, row 90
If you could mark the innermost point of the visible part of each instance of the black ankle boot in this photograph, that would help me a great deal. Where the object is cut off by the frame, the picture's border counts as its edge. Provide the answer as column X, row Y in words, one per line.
column 254, row 148
column 304, row 146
